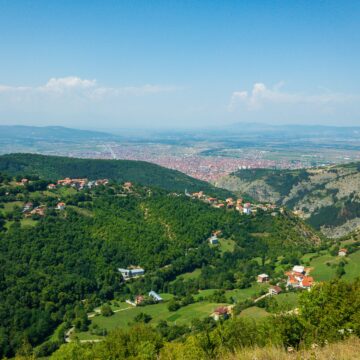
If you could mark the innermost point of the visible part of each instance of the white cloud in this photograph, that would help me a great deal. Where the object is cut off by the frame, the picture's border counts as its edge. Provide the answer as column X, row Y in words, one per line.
column 85, row 88
column 70, row 82
column 260, row 96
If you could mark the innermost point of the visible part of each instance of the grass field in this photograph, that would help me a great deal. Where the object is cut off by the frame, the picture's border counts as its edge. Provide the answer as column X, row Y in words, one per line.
column 242, row 294
column 226, row 245
column 287, row 301
column 9, row 206
column 190, row 275
column 322, row 271
column 352, row 268
column 254, row 312
column 126, row 315
column 28, row 222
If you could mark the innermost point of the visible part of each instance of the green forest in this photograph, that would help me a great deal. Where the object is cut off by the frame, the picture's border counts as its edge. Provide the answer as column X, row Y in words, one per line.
column 56, row 268
column 56, row 167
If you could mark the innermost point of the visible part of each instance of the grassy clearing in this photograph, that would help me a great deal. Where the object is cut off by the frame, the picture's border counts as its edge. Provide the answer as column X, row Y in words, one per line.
column 322, row 271
column 227, row 245
column 190, row 275
column 81, row 211
column 254, row 312
column 125, row 317
column 352, row 268
column 9, row 206
column 242, row 294
column 28, row 222
column 287, row 300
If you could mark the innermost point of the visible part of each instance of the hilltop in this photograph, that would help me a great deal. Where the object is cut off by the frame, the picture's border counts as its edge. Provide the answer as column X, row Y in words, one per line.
column 328, row 198
column 144, row 173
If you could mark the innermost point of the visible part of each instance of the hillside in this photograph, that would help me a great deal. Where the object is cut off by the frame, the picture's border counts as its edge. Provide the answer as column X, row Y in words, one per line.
column 56, row 167
column 53, row 261
column 328, row 198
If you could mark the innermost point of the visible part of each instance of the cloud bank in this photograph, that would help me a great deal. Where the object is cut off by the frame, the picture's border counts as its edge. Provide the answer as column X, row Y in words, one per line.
column 260, row 96
column 85, row 87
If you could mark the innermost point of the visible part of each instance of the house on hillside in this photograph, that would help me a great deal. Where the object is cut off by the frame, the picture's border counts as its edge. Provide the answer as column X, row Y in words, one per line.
column 27, row 207
column 39, row 210
column 139, row 299
column 343, row 252
column 155, row 296
column 222, row 312
column 299, row 269
column 275, row 290
column 263, row 278
column 247, row 209
column 60, row 206
column 132, row 272
column 213, row 240
column 299, row 277
column 51, row 187
column 307, row 282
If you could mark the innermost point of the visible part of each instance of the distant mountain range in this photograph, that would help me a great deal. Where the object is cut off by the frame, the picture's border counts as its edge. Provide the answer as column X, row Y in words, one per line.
column 57, row 133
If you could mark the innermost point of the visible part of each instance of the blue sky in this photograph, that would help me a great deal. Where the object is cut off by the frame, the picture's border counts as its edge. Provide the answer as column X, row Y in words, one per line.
column 113, row 64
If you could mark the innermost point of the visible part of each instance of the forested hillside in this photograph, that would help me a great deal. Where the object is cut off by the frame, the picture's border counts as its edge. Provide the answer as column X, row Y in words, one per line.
column 328, row 198
column 58, row 263
column 55, row 167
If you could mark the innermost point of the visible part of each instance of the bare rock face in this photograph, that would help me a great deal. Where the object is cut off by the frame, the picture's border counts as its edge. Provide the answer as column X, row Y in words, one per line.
column 328, row 198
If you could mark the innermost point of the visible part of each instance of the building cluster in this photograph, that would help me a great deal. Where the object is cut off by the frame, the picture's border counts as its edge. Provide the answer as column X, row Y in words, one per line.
column 299, row 277
column 208, row 168
column 239, row 205
column 152, row 297
column 23, row 182
column 30, row 210
column 78, row 183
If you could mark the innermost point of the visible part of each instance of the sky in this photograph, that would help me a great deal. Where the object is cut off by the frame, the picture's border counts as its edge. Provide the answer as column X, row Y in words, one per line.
column 179, row 64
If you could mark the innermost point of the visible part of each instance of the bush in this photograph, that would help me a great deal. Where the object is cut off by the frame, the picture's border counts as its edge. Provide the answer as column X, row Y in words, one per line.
column 106, row 310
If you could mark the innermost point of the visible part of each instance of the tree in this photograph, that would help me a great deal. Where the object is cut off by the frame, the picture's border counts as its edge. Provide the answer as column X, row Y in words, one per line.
column 106, row 310
column 142, row 317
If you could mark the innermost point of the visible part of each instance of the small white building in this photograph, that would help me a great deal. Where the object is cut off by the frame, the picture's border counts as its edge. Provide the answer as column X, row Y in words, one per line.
column 155, row 296
column 131, row 272
column 275, row 290
column 213, row 240
column 262, row 278
column 247, row 209
column 342, row 252
column 298, row 269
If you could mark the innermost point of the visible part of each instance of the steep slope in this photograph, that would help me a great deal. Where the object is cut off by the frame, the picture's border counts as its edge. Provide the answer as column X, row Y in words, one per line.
column 328, row 198
column 56, row 167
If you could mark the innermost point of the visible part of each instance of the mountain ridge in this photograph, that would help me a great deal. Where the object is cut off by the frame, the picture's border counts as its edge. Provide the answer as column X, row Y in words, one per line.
column 328, row 198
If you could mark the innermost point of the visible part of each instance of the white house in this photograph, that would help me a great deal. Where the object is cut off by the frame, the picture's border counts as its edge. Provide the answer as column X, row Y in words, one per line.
column 263, row 278
column 155, row 296
column 131, row 272
column 214, row 240
column 275, row 290
column 298, row 269
column 342, row 252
